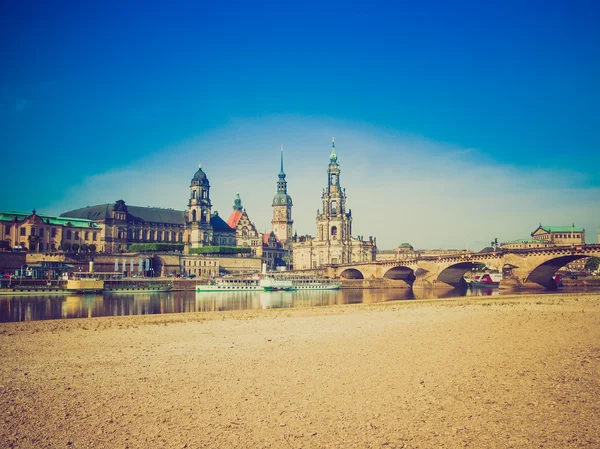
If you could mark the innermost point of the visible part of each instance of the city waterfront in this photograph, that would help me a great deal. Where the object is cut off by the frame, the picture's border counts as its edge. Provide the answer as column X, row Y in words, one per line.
column 50, row 307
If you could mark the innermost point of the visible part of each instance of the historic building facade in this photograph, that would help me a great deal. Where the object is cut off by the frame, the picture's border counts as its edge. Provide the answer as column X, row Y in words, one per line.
column 121, row 224
column 560, row 235
column 267, row 246
column 333, row 243
column 41, row 233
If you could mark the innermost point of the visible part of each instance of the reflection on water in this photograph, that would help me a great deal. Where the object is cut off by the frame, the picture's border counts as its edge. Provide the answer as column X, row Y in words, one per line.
column 47, row 307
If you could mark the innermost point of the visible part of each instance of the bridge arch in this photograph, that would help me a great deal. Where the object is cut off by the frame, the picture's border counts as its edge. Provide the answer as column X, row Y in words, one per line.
column 405, row 274
column 544, row 273
column 352, row 273
column 453, row 274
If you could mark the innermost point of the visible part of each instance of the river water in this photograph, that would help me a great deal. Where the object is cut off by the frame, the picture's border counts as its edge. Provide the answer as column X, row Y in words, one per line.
column 49, row 307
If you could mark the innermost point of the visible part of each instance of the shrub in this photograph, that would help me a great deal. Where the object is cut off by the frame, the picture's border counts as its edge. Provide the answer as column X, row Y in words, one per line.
column 155, row 247
column 220, row 250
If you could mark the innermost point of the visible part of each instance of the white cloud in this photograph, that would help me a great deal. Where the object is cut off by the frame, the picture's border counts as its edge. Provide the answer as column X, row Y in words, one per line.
column 400, row 188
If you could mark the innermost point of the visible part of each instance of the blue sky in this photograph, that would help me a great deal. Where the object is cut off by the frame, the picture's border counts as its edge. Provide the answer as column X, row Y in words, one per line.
column 455, row 121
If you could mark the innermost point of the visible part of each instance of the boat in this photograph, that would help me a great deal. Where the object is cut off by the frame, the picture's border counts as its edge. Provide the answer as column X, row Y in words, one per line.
column 302, row 283
column 275, row 284
column 231, row 284
column 132, row 288
column 84, row 283
column 487, row 280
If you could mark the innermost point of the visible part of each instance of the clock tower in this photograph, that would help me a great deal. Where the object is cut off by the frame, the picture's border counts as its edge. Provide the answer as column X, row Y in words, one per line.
column 282, row 210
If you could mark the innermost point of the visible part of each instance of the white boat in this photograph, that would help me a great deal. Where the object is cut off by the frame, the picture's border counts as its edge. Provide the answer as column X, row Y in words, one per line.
column 231, row 285
column 274, row 284
column 301, row 283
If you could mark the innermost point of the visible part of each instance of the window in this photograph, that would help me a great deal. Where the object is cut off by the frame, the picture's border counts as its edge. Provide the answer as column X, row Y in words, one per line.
column 76, row 235
column 334, row 231
column 32, row 231
column 68, row 235
column 7, row 230
column 41, row 232
column 334, row 207
column 94, row 236
column 53, row 232
column 87, row 236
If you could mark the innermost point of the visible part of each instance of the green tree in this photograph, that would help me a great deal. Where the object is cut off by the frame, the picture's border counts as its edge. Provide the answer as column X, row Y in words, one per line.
column 592, row 264
column 4, row 245
column 92, row 247
column 75, row 247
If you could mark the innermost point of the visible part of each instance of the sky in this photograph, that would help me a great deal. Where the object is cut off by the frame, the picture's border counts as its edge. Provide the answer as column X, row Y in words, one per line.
column 455, row 122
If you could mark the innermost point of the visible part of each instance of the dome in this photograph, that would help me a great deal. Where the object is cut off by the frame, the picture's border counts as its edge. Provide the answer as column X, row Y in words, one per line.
column 282, row 199
column 200, row 177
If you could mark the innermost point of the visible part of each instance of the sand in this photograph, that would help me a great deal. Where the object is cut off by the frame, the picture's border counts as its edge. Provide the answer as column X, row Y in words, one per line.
column 470, row 372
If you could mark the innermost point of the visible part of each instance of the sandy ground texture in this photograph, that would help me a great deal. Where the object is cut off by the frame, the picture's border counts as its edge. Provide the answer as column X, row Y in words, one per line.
column 470, row 372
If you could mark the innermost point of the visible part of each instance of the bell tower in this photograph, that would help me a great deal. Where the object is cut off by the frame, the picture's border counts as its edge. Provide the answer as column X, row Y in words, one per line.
column 198, row 212
column 282, row 210
column 334, row 224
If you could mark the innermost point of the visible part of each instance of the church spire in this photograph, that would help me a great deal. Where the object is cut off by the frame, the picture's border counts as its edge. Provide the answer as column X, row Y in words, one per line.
column 333, row 156
column 281, row 171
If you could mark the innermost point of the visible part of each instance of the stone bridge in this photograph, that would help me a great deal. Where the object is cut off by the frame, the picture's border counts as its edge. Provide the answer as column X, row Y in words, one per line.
column 521, row 267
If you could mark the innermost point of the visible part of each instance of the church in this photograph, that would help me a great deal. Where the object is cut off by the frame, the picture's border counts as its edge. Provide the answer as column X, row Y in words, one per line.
column 334, row 243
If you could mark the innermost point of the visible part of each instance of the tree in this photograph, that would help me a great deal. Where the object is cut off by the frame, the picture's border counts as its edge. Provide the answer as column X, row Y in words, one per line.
column 75, row 247
column 92, row 247
column 4, row 245
column 592, row 264
column 85, row 248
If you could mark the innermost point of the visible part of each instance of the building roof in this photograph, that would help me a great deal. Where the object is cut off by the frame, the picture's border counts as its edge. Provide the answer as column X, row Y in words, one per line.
column 552, row 229
column 134, row 213
column 234, row 219
column 266, row 237
column 51, row 220
column 529, row 241
column 200, row 177
column 218, row 224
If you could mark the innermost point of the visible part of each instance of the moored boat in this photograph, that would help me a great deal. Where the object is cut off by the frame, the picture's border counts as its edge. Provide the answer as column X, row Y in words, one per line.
column 315, row 284
column 231, row 284
column 151, row 288
column 274, row 284
column 487, row 280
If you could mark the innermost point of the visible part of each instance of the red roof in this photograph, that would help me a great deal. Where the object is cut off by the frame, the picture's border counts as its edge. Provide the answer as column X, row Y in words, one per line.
column 234, row 219
column 266, row 238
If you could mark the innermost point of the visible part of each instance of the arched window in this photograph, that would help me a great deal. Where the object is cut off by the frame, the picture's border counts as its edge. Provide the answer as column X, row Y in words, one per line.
column 334, row 232
column 194, row 215
column 334, row 207
column 193, row 194
column 333, row 179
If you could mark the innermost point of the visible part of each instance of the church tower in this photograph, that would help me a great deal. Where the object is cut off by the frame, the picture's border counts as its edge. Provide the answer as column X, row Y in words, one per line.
column 334, row 225
column 198, row 213
column 282, row 210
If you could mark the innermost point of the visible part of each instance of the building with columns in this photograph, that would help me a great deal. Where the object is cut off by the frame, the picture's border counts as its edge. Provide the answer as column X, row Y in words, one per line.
column 333, row 243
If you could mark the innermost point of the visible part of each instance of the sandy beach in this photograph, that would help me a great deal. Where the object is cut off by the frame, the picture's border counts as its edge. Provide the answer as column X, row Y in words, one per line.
column 500, row 372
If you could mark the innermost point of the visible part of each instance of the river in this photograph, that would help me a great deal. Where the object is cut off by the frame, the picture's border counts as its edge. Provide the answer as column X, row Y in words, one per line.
column 50, row 307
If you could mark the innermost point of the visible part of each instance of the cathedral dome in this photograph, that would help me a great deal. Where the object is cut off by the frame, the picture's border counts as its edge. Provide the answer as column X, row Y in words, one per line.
column 282, row 199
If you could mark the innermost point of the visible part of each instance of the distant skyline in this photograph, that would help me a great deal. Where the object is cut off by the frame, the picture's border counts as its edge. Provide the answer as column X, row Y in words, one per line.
column 454, row 123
